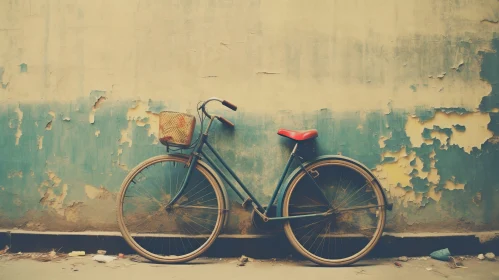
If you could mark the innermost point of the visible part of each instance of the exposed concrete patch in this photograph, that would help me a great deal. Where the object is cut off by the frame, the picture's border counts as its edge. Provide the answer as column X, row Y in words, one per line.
column 395, row 176
column 381, row 142
column 48, row 126
column 14, row 174
column 450, row 185
column 433, row 194
column 97, row 193
column 124, row 135
column 141, row 114
column 118, row 161
column 405, row 179
column 50, row 198
column 474, row 135
column 97, row 104
column 72, row 212
column 485, row 237
column 39, row 140
column 19, row 132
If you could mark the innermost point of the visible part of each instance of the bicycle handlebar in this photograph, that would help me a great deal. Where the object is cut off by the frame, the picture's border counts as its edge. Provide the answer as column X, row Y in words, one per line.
column 225, row 103
column 225, row 121
column 229, row 105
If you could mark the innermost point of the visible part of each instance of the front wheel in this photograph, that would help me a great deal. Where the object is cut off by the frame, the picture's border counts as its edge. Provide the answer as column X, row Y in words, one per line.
column 176, row 233
column 354, row 203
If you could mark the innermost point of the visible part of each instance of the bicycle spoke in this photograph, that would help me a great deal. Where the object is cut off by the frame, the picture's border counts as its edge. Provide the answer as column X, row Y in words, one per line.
column 180, row 231
column 344, row 236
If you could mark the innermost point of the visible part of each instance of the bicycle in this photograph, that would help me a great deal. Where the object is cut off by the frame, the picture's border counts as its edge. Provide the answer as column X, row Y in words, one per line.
column 186, row 203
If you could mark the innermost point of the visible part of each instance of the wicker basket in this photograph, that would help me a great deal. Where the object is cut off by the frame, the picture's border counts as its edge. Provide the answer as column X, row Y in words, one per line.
column 176, row 129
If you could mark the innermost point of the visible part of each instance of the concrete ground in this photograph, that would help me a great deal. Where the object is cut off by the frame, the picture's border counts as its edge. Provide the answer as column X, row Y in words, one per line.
column 39, row 267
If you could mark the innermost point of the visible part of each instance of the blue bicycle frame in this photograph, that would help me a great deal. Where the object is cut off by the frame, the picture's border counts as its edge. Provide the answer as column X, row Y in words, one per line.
column 259, row 209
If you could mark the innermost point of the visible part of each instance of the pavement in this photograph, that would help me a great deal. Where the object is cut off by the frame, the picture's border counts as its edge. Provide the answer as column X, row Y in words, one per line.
column 39, row 266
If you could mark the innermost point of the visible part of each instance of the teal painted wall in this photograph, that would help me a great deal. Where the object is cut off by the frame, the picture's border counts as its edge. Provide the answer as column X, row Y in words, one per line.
column 413, row 97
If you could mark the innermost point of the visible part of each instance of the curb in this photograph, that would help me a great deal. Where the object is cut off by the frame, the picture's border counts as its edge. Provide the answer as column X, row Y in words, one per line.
column 256, row 246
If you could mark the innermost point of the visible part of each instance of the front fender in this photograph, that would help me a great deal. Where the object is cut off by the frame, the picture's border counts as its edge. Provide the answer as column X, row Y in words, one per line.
column 295, row 172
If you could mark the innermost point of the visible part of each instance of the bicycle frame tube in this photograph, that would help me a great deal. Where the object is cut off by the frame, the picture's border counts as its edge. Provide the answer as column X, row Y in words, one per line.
column 256, row 204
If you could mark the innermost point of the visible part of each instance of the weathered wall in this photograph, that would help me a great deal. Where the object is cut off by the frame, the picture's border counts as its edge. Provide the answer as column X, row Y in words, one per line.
column 409, row 88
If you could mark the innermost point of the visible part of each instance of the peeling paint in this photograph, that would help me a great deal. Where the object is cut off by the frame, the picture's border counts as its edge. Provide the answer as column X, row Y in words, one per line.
column 449, row 185
column 458, row 65
column 97, row 193
column 142, row 115
column 419, row 160
column 14, row 174
column 97, row 104
column 124, row 135
column 39, row 140
column 19, row 132
column 475, row 135
column 23, row 68
column 53, row 193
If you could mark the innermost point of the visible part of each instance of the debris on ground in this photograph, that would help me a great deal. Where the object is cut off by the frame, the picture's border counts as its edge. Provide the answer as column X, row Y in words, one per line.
column 361, row 272
column 442, row 255
column 139, row 259
column 5, row 250
column 103, row 258
column 456, row 262
column 101, row 252
column 76, row 253
column 41, row 257
column 429, row 268
column 403, row 259
column 121, row 256
column 397, row 264
column 420, row 258
column 490, row 256
column 242, row 261
column 481, row 257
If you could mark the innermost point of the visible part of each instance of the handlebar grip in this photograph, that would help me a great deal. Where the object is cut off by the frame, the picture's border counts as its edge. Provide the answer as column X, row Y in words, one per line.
column 226, row 121
column 229, row 105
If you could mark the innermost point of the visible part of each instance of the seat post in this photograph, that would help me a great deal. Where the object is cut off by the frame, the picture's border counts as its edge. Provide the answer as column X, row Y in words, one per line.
column 278, row 187
column 295, row 148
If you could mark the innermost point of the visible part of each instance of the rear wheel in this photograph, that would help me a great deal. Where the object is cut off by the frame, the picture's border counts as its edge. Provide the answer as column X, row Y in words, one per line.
column 173, row 234
column 356, row 214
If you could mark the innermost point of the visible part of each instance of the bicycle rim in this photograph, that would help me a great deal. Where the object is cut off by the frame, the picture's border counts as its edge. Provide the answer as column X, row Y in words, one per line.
column 170, row 234
column 358, row 217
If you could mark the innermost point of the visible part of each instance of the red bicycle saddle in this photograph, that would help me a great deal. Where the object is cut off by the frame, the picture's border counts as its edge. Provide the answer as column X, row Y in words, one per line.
column 298, row 135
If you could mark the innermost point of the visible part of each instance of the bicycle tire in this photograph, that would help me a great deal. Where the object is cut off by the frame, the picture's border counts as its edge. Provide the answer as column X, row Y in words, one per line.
column 220, row 202
column 297, row 243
